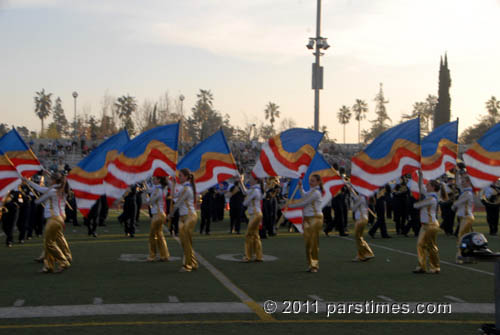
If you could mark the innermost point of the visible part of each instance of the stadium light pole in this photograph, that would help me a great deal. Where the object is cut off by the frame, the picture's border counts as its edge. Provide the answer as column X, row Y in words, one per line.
column 317, row 43
column 75, row 95
column 181, row 98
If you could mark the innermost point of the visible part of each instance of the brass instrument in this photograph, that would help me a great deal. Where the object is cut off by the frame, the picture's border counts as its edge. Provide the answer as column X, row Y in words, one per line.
column 494, row 199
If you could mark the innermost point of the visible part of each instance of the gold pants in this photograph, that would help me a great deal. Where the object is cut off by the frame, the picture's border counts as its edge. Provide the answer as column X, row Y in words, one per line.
column 312, row 227
column 253, row 245
column 55, row 246
column 186, row 228
column 364, row 250
column 157, row 240
column 465, row 227
column 427, row 247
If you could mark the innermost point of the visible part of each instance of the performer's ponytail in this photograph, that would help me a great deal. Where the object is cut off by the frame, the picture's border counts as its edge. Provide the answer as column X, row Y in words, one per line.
column 320, row 182
column 190, row 178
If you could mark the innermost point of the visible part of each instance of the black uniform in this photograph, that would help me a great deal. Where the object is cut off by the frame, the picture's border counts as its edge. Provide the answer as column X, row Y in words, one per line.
column 338, row 205
column 401, row 202
column 492, row 211
column 138, row 200
column 380, row 210
column 414, row 222
column 9, row 219
column 129, row 212
column 71, row 213
column 207, row 202
column 103, row 213
column 24, row 202
column 236, row 209
column 92, row 218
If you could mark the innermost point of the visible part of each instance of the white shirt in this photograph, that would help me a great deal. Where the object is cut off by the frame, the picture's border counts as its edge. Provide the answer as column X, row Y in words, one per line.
column 253, row 199
column 53, row 203
column 185, row 200
column 465, row 203
column 360, row 208
column 428, row 208
column 310, row 201
column 157, row 199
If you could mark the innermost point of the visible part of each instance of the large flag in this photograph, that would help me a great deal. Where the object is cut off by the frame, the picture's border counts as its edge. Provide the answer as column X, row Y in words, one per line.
column 21, row 156
column 211, row 162
column 394, row 153
column 413, row 185
column 87, row 178
column 152, row 153
column 9, row 177
column 287, row 154
column 332, row 181
column 294, row 215
column 483, row 159
column 332, row 184
column 440, row 150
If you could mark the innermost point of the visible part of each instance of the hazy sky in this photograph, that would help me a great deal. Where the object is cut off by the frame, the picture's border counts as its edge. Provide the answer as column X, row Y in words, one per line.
column 248, row 52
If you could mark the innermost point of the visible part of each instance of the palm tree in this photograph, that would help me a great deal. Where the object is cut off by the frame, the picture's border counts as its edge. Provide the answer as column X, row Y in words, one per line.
column 493, row 108
column 43, row 105
column 344, row 115
column 125, row 107
column 272, row 113
column 360, row 108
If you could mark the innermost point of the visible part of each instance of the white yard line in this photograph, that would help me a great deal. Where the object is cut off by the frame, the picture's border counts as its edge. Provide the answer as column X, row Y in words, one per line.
column 415, row 255
column 97, row 301
column 177, row 308
column 315, row 297
column 245, row 298
column 173, row 298
column 383, row 297
column 452, row 298
column 18, row 303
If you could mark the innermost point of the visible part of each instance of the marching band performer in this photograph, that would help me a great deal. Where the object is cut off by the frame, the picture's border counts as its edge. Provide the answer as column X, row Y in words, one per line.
column 157, row 242
column 426, row 243
column 253, row 244
column 56, row 249
column 313, row 219
column 360, row 210
column 490, row 200
column 464, row 207
column 187, row 217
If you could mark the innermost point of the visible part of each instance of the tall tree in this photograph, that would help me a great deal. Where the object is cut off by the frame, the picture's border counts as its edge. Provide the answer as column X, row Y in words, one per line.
column 487, row 121
column 125, row 107
column 360, row 108
column 379, row 125
column 424, row 109
column 61, row 123
column 43, row 105
column 204, row 119
column 442, row 113
column 344, row 115
column 4, row 129
column 272, row 113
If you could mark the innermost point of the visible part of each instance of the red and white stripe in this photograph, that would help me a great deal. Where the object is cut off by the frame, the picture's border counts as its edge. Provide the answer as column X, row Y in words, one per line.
column 296, row 217
column 331, row 187
column 482, row 171
column 9, row 179
column 86, row 191
column 217, row 175
column 268, row 165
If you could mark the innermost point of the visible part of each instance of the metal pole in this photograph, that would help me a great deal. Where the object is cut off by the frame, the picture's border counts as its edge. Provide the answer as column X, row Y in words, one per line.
column 316, row 89
column 181, row 98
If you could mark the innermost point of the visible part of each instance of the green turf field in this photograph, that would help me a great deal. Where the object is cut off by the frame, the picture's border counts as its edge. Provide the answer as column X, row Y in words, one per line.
column 224, row 296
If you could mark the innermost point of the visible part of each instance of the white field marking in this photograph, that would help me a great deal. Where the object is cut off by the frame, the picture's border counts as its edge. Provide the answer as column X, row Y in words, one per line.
column 239, row 257
column 2, row 234
column 173, row 298
column 145, row 212
column 415, row 255
column 18, row 303
column 452, row 298
column 97, row 301
column 315, row 297
column 221, row 277
column 124, row 309
column 177, row 308
column 383, row 297
column 245, row 298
